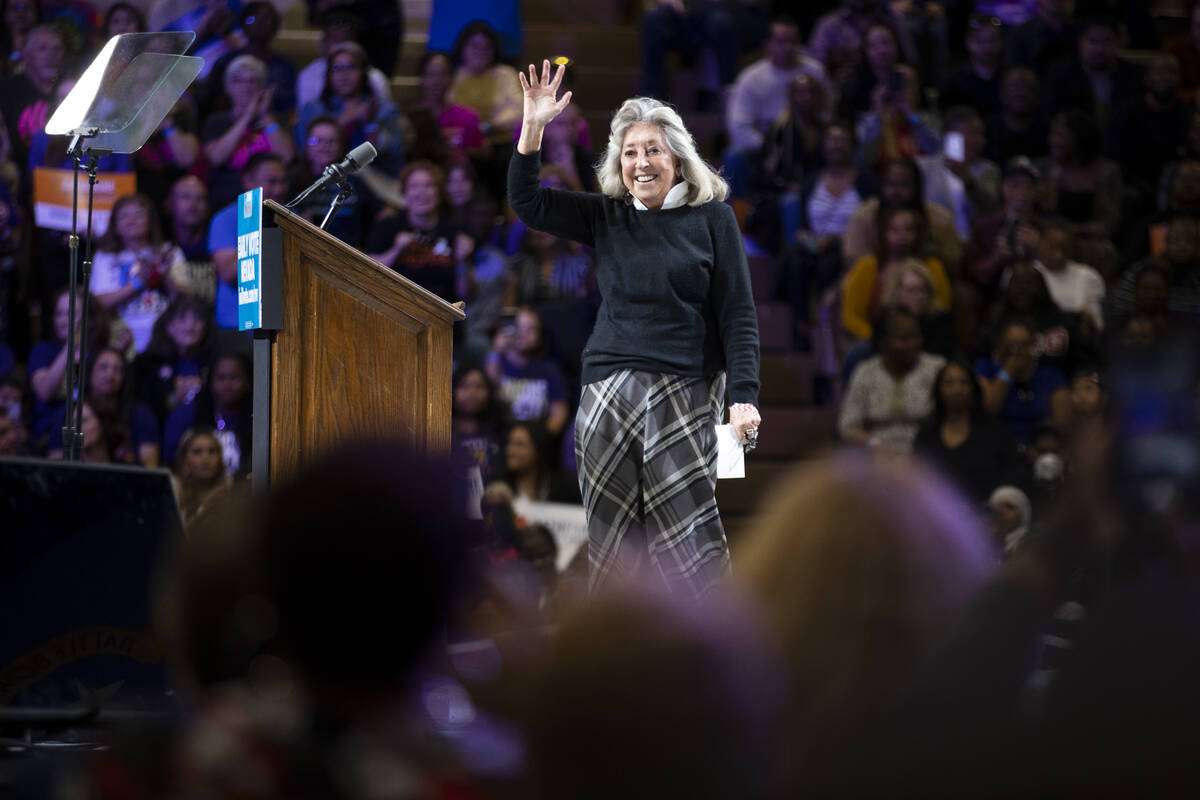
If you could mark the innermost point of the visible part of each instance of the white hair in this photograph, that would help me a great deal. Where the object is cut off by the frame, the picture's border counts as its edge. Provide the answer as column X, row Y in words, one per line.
column 704, row 183
column 245, row 63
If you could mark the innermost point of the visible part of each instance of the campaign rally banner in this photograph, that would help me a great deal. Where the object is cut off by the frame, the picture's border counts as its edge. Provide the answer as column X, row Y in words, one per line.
column 565, row 521
column 249, row 255
column 52, row 189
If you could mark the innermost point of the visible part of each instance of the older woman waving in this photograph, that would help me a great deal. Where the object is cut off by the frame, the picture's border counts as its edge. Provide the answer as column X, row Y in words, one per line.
column 676, row 317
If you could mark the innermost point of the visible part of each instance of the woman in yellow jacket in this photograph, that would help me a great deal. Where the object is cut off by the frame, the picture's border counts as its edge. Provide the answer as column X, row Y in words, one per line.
column 900, row 240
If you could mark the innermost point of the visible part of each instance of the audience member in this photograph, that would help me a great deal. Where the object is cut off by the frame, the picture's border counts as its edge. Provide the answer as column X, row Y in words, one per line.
column 211, row 20
column 172, row 152
column 460, row 125
column 477, row 423
column 337, row 27
column 223, row 404
column 95, row 439
column 187, row 215
column 122, row 17
column 792, row 145
column 963, row 440
column 260, row 23
column 48, row 365
column 1011, row 233
column 873, row 71
column 529, row 466
column 969, row 186
column 1047, row 39
column 1063, row 341
column 976, row 83
column 901, row 187
column 815, row 219
column 262, row 169
column 423, row 139
column 486, row 85
column 901, row 239
column 135, row 272
column 131, row 431
column 199, row 478
column 78, row 24
column 1165, row 288
column 176, row 362
column 1151, row 131
column 1082, row 187
column 531, row 386
column 883, row 566
column 837, row 38
column 232, row 138
column 892, row 391
column 14, row 432
column 1185, row 47
column 1097, row 81
column 324, row 143
column 347, row 96
column 912, row 287
column 762, row 92
column 25, row 97
column 486, row 274
column 20, row 17
column 422, row 244
column 707, row 28
column 549, row 269
column 1017, row 128
column 1075, row 288
column 1018, row 390
column 893, row 128
column 1089, row 407
column 1010, row 516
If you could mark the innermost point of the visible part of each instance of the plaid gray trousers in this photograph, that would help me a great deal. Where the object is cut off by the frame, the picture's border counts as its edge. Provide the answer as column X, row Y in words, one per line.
column 647, row 457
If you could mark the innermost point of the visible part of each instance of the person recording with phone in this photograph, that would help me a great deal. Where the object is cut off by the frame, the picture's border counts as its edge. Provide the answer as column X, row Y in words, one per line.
column 958, row 177
column 893, row 128
column 676, row 317
column 1009, row 234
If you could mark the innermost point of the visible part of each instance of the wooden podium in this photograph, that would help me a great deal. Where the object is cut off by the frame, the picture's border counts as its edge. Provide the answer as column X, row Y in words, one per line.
column 355, row 351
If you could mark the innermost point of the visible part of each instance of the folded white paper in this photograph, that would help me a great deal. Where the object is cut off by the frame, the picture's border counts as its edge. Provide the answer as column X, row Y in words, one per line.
column 731, row 458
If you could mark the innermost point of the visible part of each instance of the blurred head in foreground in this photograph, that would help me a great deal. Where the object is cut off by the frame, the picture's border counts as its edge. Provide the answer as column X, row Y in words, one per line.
column 676, row 700
column 343, row 576
column 860, row 567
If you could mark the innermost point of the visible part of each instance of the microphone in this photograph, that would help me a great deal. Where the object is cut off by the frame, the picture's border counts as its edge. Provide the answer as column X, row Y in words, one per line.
column 355, row 160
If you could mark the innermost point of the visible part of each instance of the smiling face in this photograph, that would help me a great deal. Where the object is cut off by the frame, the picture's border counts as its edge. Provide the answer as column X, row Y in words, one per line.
column 244, row 87
column 648, row 168
column 107, row 374
column 122, row 21
column 421, row 193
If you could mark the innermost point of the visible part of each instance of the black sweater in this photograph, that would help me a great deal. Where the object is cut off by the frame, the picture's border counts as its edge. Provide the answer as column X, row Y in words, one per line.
column 674, row 284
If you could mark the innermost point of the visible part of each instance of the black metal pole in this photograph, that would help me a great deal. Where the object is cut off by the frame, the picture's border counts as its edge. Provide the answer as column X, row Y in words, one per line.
column 92, row 164
column 72, row 451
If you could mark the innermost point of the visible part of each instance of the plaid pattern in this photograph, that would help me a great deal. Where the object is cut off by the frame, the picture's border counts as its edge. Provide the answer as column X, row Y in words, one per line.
column 647, row 456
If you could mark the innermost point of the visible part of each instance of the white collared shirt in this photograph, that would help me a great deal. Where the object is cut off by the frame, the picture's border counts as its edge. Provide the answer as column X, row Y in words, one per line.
column 676, row 197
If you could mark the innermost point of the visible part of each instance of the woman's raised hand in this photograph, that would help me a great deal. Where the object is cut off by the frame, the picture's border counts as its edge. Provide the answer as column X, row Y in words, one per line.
column 542, row 103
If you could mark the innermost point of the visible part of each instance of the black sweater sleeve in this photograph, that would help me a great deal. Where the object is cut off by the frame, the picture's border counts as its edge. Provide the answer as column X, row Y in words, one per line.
column 733, row 306
column 570, row 215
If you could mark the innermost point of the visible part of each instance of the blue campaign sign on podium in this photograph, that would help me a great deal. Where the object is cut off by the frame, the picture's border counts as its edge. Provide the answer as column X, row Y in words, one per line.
column 249, row 255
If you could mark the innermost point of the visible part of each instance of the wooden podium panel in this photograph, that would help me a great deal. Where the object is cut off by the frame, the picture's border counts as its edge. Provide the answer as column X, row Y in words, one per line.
column 361, row 351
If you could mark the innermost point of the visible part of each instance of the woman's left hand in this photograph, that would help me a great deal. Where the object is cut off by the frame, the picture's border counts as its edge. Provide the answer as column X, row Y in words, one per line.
column 745, row 420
